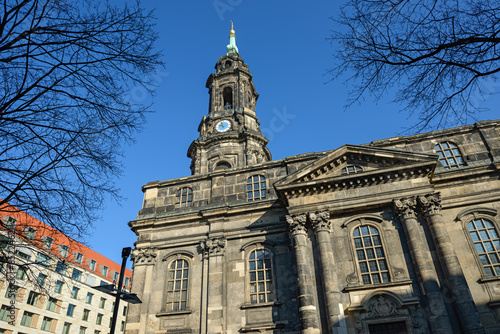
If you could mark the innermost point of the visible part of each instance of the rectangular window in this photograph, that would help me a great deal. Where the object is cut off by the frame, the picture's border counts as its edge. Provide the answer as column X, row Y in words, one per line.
column 102, row 302
column 47, row 242
column 74, row 292
column 42, row 259
column 41, row 279
column 61, row 267
column 92, row 264
column 122, row 326
column 127, row 281
column 12, row 292
column 78, row 258
column 116, row 276
column 58, row 287
column 124, row 310
column 63, row 250
column 51, row 304
column 86, row 314
column 99, row 319
column 21, row 273
column 23, row 255
column 88, row 299
column 46, row 323
column 33, row 298
column 77, row 275
column 83, row 330
column 97, row 331
column 4, row 313
column 26, row 319
column 66, row 328
column 30, row 233
column 71, row 310
column 9, row 222
column 105, row 271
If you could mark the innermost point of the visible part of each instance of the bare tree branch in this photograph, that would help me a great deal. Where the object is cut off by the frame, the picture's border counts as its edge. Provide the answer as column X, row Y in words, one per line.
column 66, row 68
column 434, row 52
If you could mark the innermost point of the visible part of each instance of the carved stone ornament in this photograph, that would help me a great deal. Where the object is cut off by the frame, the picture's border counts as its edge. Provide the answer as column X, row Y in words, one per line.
column 398, row 273
column 297, row 223
column 143, row 255
column 320, row 220
column 431, row 204
column 213, row 246
column 381, row 307
column 405, row 207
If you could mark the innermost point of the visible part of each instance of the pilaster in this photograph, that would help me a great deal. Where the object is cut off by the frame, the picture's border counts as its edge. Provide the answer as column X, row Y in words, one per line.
column 213, row 313
column 462, row 299
column 144, row 260
column 305, row 281
column 322, row 227
column 435, row 309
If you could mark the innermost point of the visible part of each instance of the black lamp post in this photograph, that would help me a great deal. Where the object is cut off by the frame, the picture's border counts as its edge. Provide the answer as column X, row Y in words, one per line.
column 110, row 289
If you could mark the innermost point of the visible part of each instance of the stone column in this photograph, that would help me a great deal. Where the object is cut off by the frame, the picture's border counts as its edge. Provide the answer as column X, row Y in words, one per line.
column 461, row 298
column 305, row 283
column 142, row 282
column 213, row 255
column 435, row 309
column 322, row 226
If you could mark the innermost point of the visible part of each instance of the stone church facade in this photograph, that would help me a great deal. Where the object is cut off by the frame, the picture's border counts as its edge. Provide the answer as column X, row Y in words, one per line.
column 400, row 235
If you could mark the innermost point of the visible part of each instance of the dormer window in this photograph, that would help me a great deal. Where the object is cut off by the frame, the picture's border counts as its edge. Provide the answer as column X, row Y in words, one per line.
column 351, row 170
column 227, row 95
column 47, row 242
column 92, row 264
column 105, row 271
column 78, row 257
column 63, row 250
column 29, row 233
column 9, row 222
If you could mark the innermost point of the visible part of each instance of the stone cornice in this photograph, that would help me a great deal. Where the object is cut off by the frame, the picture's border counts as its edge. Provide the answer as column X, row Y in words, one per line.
column 434, row 134
column 364, row 179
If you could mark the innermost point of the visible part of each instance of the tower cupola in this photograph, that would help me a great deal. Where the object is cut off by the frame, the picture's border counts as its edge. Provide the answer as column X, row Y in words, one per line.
column 229, row 135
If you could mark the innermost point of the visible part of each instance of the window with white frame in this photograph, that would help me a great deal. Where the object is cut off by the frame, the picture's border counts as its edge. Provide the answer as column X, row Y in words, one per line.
column 370, row 255
column 260, row 276
column 449, row 155
column 177, row 285
column 47, row 242
column 487, row 245
column 78, row 257
column 92, row 264
column 63, row 250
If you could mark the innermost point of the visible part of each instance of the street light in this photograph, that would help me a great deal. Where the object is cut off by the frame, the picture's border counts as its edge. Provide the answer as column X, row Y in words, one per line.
column 110, row 289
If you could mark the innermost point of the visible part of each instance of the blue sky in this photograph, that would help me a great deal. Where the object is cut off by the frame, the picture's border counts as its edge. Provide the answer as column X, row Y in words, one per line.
column 285, row 45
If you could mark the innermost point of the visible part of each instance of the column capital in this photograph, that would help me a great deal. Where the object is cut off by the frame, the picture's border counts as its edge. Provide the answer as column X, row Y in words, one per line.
column 406, row 207
column 297, row 223
column 213, row 246
column 145, row 255
column 320, row 220
column 431, row 204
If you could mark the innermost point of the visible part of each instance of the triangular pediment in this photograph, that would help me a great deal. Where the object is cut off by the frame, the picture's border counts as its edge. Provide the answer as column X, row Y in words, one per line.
column 351, row 162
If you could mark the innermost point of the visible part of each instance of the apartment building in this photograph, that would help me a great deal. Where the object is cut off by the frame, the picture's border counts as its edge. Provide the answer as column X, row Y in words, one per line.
column 47, row 280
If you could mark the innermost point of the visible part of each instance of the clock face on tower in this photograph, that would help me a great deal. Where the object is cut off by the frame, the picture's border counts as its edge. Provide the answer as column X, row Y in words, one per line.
column 223, row 125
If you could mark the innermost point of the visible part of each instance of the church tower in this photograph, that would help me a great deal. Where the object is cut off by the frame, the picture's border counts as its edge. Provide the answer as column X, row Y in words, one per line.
column 229, row 135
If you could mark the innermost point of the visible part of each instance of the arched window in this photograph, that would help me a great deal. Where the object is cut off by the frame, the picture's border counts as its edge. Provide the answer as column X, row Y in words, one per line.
column 351, row 170
column 260, row 276
column 184, row 197
column 227, row 95
column 370, row 255
column 256, row 188
column 449, row 155
column 228, row 64
column 222, row 165
column 177, row 285
column 487, row 244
